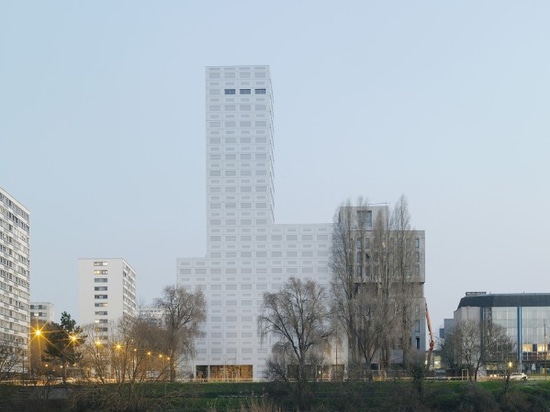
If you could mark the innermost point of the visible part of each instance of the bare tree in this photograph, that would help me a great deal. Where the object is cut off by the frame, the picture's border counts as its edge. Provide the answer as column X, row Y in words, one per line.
column 402, row 265
column 139, row 350
column 478, row 343
column 299, row 318
column 380, row 291
column 9, row 358
column 348, row 255
column 183, row 314
column 374, row 288
column 95, row 359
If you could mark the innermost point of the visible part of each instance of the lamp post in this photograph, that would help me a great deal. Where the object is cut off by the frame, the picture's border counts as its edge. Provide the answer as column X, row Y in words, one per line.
column 148, row 366
column 119, row 370
column 99, row 360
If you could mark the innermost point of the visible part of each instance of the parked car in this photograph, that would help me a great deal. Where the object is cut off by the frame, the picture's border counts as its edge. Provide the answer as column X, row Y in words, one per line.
column 518, row 376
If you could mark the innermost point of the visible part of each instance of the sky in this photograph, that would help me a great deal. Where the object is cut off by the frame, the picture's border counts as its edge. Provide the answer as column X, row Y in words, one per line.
column 446, row 102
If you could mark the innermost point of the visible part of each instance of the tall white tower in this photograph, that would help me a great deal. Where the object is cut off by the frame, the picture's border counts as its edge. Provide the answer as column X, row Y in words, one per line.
column 239, row 158
column 247, row 253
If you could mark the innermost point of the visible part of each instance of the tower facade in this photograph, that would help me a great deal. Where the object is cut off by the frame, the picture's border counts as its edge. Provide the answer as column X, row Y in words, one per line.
column 247, row 253
column 14, row 275
column 107, row 292
column 239, row 152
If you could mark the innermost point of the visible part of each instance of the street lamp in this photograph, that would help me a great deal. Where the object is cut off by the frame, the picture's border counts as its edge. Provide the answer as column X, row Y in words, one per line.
column 99, row 363
column 148, row 366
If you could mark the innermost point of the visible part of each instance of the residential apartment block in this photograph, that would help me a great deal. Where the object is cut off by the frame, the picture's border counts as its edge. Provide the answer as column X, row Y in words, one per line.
column 107, row 293
column 14, row 272
column 42, row 312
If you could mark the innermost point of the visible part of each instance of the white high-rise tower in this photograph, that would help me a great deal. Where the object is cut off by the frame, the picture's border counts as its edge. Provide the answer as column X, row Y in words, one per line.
column 247, row 253
column 239, row 158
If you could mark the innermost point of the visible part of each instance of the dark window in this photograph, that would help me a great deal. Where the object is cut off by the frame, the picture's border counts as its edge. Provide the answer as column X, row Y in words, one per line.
column 229, row 91
column 244, row 91
column 259, row 91
column 365, row 218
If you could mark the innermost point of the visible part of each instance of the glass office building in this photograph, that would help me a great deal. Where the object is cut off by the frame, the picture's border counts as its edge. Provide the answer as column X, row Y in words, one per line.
column 525, row 316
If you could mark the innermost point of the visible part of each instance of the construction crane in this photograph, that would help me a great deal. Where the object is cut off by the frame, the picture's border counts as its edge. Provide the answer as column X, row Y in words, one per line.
column 432, row 342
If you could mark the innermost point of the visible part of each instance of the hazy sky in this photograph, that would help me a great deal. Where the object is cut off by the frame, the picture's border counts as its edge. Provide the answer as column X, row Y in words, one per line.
column 446, row 102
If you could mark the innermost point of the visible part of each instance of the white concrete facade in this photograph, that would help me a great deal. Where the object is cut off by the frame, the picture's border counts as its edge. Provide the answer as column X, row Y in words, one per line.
column 247, row 253
column 14, row 272
column 107, row 292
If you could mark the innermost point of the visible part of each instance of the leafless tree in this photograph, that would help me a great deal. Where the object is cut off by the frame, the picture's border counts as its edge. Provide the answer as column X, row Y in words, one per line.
column 477, row 343
column 402, row 259
column 183, row 314
column 374, row 290
column 10, row 357
column 298, row 317
column 95, row 360
column 347, row 254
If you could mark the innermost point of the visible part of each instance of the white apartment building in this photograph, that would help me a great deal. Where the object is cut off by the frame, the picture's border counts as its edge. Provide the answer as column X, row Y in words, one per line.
column 107, row 292
column 153, row 314
column 42, row 312
column 14, row 273
column 247, row 252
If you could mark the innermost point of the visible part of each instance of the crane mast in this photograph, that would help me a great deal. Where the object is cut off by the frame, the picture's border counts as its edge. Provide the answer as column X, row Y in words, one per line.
column 432, row 342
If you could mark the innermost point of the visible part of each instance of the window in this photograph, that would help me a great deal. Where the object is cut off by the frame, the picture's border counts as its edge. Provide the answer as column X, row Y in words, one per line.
column 417, row 242
column 100, row 263
column 100, row 272
column 244, row 91
column 259, row 91
column 100, row 296
column 101, row 305
column 100, row 280
column 101, row 313
column 365, row 218
column 229, row 91
column 100, row 288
